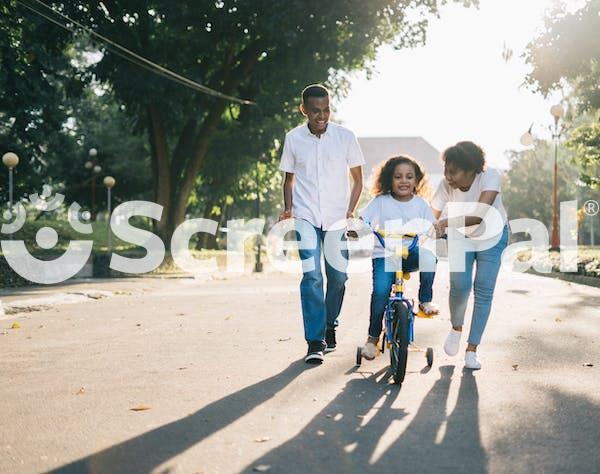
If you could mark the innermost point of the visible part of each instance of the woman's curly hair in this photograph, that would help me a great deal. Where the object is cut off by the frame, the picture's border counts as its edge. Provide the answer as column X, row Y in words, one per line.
column 385, row 174
column 466, row 156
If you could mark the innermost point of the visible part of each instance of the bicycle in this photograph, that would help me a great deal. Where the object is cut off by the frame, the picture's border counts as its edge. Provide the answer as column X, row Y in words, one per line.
column 399, row 315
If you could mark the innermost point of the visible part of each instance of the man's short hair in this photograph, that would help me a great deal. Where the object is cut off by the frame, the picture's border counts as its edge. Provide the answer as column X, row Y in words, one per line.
column 314, row 90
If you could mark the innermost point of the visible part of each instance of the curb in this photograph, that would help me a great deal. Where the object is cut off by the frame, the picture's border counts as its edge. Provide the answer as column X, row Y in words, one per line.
column 570, row 277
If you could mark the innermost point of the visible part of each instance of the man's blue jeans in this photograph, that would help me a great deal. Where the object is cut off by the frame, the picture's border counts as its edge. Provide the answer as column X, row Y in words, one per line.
column 486, row 273
column 383, row 281
column 320, row 310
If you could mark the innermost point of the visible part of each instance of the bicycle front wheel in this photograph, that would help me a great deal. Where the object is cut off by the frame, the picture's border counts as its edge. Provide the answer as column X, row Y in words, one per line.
column 400, row 341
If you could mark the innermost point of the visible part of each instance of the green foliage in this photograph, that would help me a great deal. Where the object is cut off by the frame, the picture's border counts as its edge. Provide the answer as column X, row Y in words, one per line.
column 264, row 51
column 37, row 82
column 569, row 48
column 97, row 121
column 585, row 143
column 527, row 187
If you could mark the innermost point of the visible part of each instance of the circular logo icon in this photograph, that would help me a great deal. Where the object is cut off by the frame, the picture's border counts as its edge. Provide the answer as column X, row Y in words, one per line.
column 591, row 207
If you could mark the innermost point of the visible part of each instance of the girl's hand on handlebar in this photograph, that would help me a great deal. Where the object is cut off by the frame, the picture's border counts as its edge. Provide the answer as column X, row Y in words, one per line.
column 440, row 227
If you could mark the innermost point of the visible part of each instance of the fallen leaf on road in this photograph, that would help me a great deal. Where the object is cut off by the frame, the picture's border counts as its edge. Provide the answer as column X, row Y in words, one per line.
column 285, row 339
column 515, row 366
column 261, row 468
column 141, row 407
column 262, row 440
column 328, row 416
column 557, row 319
column 320, row 433
column 95, row 296
column 181, row 368
column 81, row 391
column 588, row 364
column 15, row 326
column 138, row 324
column 228, row 317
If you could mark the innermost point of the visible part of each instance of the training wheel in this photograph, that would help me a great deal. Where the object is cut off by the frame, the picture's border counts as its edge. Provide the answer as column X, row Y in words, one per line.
column 358, row 355
column 429, row 356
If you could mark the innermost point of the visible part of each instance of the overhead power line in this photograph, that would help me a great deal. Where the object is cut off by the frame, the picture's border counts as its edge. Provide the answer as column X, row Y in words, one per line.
column 131, row 56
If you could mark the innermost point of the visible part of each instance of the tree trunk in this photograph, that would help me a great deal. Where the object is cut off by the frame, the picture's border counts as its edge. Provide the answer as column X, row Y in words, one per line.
column 162, row 172
column 182, row 181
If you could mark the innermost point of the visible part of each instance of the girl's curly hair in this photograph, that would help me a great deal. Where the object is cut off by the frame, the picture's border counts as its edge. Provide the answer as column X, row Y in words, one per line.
column 384, row 176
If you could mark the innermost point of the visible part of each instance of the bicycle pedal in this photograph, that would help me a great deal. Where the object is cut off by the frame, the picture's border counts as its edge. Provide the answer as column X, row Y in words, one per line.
column 424, row 315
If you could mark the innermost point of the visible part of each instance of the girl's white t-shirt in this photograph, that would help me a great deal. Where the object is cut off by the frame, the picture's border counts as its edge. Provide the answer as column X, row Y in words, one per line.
column 398, row 215
column 488, row 180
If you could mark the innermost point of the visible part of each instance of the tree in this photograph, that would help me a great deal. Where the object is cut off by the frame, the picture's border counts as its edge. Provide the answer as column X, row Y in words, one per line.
column 264, row 51
column 37, row 83
column 585, row 142
column 527, row 187
column 96, row 121
column 568, row 49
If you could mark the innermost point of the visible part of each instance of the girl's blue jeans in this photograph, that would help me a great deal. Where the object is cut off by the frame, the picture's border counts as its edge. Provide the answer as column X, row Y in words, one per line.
column 383, row 281
column 486, row 272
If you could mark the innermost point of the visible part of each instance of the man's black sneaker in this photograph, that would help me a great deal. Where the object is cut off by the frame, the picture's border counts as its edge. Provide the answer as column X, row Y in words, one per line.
column 330, row 340
column 315, row 352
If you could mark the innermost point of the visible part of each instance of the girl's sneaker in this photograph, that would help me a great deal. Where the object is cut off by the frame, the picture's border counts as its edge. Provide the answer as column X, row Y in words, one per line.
column 369, row 350
column 429, row 308
column 452, row 342
column 471, row 361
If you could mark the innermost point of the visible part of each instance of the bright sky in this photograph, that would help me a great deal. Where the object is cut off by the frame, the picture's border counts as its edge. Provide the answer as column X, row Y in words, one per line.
column 458, row 86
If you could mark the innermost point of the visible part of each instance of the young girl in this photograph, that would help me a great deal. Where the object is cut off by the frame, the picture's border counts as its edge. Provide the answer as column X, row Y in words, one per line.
column 397, row 185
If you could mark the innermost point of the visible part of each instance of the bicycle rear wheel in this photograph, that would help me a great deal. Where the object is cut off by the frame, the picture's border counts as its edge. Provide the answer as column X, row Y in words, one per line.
column 400, row 337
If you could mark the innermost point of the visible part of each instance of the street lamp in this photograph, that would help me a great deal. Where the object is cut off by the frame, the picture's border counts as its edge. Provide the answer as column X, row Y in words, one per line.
column 92, row 165
column 109, row 182
column 10, row 160
column 258, row 266
column 557, row 112
column 527, row 138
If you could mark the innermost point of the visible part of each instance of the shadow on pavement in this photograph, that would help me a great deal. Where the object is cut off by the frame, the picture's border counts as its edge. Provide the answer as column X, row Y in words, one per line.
column 147, row 451
column 346, row 435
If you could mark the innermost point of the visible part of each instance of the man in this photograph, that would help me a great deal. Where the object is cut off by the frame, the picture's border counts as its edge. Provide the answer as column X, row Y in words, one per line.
column 316, row 157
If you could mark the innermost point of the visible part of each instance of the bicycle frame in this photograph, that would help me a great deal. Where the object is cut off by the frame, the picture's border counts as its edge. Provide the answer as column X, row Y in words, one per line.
column 397, row 293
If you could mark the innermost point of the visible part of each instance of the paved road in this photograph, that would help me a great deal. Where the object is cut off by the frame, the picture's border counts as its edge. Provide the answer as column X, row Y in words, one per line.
column 218, row 364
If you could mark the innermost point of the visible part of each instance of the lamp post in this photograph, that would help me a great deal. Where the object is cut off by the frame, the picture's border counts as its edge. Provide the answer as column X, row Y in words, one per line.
column 557, row 112
column 109, row 182
column 92, row 165
column 258, row 266
column 10, row 160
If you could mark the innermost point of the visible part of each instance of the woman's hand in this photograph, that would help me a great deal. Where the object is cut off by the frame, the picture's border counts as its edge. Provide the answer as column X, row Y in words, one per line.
column 440, row 227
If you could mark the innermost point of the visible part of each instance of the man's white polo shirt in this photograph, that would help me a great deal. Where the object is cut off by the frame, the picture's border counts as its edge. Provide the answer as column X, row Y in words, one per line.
column 320, row 165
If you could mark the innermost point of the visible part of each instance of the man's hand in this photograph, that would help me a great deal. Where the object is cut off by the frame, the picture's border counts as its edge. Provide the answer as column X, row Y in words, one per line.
column 285, row 215
column 350, row 233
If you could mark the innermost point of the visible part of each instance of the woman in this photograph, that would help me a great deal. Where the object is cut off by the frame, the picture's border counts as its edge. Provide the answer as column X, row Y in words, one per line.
column 467, row 180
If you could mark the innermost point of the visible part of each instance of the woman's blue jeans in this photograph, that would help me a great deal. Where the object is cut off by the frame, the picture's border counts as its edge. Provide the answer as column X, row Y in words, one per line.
column 321, row 310
column 383, row 281
column 486, row 272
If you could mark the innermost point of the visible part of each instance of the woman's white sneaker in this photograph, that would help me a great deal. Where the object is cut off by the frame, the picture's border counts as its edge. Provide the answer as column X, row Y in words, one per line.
column 471, row 361
column 452, row 343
